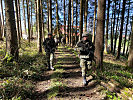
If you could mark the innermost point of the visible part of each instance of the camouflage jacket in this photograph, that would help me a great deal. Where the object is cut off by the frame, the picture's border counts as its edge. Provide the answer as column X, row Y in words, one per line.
column 49, row 45
column 86, row 47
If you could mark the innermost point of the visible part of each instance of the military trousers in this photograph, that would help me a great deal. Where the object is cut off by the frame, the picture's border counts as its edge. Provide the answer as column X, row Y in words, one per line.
column 85, row 66
column 50, row 59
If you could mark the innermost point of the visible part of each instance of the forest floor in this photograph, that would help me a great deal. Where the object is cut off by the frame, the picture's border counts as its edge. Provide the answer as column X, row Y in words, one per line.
column 66, row 81
column 29, row 79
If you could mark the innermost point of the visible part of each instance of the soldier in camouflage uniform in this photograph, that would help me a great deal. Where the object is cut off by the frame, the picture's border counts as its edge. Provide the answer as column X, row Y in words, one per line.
column 49, row 45
column 86, row 55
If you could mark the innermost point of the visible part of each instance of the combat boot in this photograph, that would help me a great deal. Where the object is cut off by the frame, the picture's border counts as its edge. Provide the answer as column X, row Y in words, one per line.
column 84, row 81
column 52, row 68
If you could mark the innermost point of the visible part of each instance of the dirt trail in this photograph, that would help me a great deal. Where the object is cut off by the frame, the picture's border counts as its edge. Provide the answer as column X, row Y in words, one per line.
column 71, row 78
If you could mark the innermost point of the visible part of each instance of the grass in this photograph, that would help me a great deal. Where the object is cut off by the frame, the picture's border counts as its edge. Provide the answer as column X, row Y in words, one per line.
column 17, row 79
column 118, row 71
column 57, row 84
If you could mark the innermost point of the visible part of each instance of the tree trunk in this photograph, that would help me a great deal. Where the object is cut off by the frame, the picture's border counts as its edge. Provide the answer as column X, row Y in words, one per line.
column 95, row 10
column 81, row 20
column 64, row 22
column 72, row 26
column 17, row 20
column 126, row 30
column 67, row 39
column 39, row 3
column 130, row 57
column 36, row 18
column 121, row 30
column 11, row 33
column 99, row 43
column 2, row 19
column 31, row 23
column 50, row 17
column 69, row 22
column 43, row 35
column 107, row 22
column 24, row 19
column 112, row 33
column 0, row 29
column 86, row 13
column 113, row 28
column 116, row 33
column 127, row 51
column 19, row 13
column 57, row 19
column 28, row 18
column 76, row 37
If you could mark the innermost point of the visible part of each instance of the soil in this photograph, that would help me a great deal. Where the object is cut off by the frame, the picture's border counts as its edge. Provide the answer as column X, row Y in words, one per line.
column 71, row 78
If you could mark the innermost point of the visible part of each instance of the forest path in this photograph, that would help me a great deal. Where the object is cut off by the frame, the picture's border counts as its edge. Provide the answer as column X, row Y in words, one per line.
column 65, row 83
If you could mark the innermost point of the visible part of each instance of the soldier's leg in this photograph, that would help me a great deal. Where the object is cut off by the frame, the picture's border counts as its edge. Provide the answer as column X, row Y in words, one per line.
column 89, row 66
column 48, row 59
column 51, row 60
column 83, row 68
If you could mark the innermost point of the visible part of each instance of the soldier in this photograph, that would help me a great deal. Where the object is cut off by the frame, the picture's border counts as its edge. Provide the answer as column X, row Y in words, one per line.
column 86, row 55
column 49, row 45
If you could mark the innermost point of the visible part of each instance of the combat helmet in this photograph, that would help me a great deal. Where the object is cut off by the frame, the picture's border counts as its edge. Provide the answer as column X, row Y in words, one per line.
column 85, row 34
column 49, row 33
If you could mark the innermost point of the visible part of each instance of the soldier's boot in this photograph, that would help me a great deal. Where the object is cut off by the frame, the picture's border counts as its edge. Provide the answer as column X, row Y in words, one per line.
column 51, row 62
column 52, row 68
column 84, row 81
column 49, row 65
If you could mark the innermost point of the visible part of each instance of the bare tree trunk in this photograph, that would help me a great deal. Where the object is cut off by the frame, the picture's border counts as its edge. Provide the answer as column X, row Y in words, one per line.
column 116, row 33
column 81, row 20
column 57, row 19
column 36, row 18
column 64, row 21
column 48, row 14
column 72, row 26
column 20, row 30
column 17, row 21
column 2, row 19
column 121, row 30
column 67, row 39
column 130, row 57
column 113, row 28
column 95, row 10
column 39, row 3
column 31, row 23
column 69, row 22
column 99, row 43
column 127, row 51
column 112, row 33
column 0, row 29
column 11, row 33
column 24, row 19
column 50, row 17
column 86, row 13
column 43, row 35
column 76, row 37
column 126, row 30
column 107, row 22
column 28, row 18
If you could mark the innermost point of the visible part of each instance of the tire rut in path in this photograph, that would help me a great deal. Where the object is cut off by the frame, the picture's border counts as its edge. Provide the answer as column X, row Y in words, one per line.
column 72, row 79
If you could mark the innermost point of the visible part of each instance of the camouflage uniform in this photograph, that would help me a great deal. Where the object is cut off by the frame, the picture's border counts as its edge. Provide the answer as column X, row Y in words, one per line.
column 86, row 55
column 49, row 45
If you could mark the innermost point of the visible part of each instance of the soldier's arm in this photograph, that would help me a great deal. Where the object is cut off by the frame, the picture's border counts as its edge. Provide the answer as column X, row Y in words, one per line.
column 44, row 43
column 54, row 43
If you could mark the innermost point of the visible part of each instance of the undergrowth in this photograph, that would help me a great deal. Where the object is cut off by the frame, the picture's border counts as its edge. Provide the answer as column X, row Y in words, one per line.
column 17, row 79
